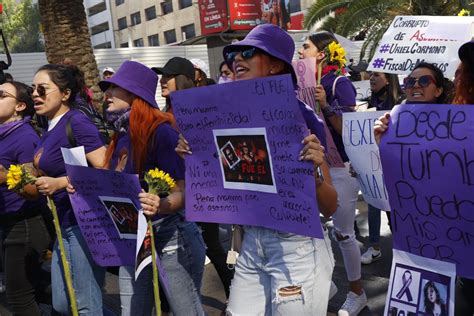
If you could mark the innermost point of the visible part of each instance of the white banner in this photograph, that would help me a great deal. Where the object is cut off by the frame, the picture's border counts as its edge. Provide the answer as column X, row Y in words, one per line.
column 412, row 39
column 420, row 286
column 363, row 152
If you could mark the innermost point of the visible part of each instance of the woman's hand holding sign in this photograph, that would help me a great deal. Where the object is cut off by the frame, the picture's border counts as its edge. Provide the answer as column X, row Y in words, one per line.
column 312, row 150
column 381, row 126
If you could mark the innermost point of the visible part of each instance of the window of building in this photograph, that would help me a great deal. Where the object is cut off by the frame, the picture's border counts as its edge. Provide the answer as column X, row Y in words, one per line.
column 100, row 7
column 138, row 42
column 150, row 13
column 185, row 3
column 104, row 45
column 135, row 18
column 167, row 6
column 122, row 23
column 153, row 40
column 119, row 2
column 170, row 36
column 188, row 30
column 96, row 29
column 124, row 45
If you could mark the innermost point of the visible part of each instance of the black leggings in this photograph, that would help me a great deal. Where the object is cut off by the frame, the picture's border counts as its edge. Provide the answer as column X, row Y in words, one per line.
column 215, row 252
column 25, row 243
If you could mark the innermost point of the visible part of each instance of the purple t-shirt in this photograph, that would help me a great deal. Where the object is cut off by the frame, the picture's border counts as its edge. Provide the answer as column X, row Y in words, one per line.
column 344, row 100
column 160, row 153
column 12, row 152
column 49, row 160
column 314, row 123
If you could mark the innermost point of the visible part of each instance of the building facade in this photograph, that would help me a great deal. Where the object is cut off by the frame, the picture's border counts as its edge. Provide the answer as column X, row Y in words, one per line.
column 99, row 18
column 153, row 23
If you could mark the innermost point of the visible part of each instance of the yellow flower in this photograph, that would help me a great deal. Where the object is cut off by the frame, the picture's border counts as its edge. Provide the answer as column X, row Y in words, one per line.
column 464, row 12
column 336, row 54
column 14, row 176
column 159, row 181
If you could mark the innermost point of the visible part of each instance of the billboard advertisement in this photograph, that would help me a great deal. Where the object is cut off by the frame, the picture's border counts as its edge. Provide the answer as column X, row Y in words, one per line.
column 213, row 15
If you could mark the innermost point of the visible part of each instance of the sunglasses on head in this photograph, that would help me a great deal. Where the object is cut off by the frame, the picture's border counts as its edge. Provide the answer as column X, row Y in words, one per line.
column 5, row 94
column 41, row 90
column 423, row 81
column 246, row 53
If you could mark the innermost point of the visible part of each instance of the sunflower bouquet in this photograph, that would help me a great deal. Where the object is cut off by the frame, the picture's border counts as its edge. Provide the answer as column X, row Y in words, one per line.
column 159, row 183
column 18, row 176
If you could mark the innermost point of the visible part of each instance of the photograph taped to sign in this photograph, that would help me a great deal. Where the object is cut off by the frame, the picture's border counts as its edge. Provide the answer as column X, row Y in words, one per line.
column 124, row 215
column 420, row 286
column 245, row 159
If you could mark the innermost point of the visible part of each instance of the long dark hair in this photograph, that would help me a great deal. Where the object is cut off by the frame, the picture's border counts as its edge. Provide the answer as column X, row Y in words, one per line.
column 64, row 77
column 23, row 94
column 322, row 39
column 429, row 306
column 182, row 83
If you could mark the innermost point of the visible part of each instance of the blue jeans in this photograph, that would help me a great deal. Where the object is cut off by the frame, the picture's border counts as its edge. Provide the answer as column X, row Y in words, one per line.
column 374, row 219
column 281, row 274
column 87, row 277
column 181, row 250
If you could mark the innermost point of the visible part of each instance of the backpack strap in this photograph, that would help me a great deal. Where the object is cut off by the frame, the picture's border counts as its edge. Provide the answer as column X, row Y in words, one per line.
column 334, row 86
column 70, row 134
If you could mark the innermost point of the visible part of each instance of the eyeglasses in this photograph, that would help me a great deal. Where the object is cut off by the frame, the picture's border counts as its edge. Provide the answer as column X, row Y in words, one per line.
column 41, row 90
column 246, row 53
column 5, row 94
column 423, row 81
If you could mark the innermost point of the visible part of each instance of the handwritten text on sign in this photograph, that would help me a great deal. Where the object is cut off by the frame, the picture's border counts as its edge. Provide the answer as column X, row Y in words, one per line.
column 428, row 160
column 246, row 137
column 305, row 70
column 363, row 152
column 412, row 39
column 102, row 235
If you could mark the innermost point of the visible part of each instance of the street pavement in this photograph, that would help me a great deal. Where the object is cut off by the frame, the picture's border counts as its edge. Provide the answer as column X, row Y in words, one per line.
column 374, row 277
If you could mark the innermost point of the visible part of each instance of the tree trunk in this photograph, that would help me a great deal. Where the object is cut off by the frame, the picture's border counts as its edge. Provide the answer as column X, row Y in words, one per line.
column 66, row 35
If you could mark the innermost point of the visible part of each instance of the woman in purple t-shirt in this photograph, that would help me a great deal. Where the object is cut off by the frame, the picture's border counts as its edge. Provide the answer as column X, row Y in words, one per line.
column 145, row 139
column 336, row 95
column 22, row 221
column 54, row 88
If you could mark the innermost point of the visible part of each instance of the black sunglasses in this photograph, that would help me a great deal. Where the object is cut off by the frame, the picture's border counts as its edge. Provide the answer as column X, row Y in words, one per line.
column 246, row 52
column 423, row 81
column 41, row 90
column 5, row 94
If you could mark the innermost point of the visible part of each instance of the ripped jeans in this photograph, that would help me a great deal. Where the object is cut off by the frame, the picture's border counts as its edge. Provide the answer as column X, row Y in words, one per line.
column 181, row 250
column 281, row 274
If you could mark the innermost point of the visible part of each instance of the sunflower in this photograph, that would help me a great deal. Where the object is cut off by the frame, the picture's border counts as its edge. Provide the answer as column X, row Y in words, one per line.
column 464, row 12
column 14, row 176
column 336, row 55
column 159, row 182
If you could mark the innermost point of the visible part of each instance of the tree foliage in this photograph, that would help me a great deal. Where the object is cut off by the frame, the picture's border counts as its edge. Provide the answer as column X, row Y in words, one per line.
column 369, row 19
column 21, row 26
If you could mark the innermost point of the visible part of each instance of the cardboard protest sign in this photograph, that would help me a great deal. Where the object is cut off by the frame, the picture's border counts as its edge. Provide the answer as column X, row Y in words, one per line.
column 363, row 152
column 428, row 162
column 413, row 39
column 305, row 72
column 246, row 138
column 420, row 286
column 106, row 208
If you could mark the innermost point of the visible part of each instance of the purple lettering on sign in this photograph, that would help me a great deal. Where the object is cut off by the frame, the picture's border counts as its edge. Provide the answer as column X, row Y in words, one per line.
column 246, row 137
column 428, row 162
column 105, row 204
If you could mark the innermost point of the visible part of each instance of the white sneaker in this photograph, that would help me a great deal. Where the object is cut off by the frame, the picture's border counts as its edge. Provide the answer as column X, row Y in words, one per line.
column 353, row 305
column 332, row 290
column 370, row 256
